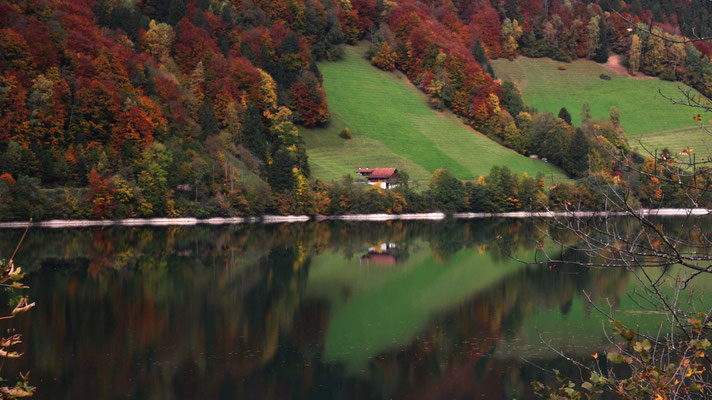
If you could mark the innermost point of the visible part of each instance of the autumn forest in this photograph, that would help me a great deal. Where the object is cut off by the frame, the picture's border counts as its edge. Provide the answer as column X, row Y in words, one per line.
column 122, row 108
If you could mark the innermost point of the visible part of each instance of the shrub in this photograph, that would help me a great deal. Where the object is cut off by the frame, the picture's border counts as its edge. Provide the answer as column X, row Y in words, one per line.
column 346, row 133
column 668, row 75
column 605, row 77
column 561, row 67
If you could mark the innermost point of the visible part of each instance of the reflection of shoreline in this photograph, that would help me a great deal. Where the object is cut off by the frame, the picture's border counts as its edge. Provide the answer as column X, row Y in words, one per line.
column 268, row 219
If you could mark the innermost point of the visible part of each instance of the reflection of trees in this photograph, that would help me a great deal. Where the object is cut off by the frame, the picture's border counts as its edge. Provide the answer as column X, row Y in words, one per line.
column 453, row 358
column 149, row 319
column 218, row 312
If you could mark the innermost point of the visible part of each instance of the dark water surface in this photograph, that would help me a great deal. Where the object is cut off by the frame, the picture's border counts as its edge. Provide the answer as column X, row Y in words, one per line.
column 304, row 311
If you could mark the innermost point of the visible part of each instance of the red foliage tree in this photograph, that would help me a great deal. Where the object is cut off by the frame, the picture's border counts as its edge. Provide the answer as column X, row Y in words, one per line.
column 13, row 114
column 486, row 23
column 192, row 45
column 133, row 131
column 101, row 195
column 308, row 101
column 8, row 179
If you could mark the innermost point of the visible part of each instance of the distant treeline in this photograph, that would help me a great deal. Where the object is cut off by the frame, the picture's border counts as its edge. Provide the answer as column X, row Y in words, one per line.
column 499, row 191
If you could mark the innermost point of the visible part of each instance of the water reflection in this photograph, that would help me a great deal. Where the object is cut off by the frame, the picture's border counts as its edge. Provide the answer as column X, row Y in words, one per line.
column 316, row 310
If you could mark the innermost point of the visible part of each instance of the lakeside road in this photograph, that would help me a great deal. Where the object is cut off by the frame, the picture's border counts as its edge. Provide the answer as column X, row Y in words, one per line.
column 270, row 219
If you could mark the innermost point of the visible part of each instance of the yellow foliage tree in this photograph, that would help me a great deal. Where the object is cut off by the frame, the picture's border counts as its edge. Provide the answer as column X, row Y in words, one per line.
column 158, row 39
column 385, row 57
column 634, row 55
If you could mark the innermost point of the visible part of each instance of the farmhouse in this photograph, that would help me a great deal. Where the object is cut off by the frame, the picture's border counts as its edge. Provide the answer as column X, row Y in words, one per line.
column 383, row 177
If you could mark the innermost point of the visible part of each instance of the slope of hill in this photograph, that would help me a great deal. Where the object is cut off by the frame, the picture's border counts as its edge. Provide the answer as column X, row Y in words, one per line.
column 649, row 119
column 392, row 125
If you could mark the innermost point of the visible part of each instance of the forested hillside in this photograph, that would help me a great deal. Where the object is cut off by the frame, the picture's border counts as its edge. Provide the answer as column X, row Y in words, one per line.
column 119, row 108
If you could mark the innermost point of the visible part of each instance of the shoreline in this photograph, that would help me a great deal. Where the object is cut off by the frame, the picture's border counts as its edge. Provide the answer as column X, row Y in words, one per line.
column 275, row 219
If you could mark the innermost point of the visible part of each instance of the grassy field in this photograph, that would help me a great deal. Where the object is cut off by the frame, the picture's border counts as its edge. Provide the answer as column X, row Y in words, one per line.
column 393, row 126
column 648, row 118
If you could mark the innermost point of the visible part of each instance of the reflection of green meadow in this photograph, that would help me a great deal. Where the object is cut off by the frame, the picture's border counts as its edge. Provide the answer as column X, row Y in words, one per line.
column 585, row 324
column 375, row 309
column 379, row 308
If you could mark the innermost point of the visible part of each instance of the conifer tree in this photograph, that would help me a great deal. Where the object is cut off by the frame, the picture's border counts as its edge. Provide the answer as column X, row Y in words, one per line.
column 176, row 11
column 208, row 122
column 565, row 115
column 253, row 132
column 280, row 175
column 490, row 71
column 576, row 157
column 448, row 191
column 511, row 98
column 478, row 52
column 601, row 55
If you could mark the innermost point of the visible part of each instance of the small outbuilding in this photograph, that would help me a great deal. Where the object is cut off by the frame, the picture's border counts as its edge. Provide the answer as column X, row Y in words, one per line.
column 384, row 177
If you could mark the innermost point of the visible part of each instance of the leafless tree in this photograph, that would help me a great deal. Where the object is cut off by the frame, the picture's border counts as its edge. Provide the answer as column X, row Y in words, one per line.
column 10, row 276
column 666, row 254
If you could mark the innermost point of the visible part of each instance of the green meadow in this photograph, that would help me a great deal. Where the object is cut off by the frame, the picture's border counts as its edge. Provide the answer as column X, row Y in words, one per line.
column 393, row 126
column 650, row 120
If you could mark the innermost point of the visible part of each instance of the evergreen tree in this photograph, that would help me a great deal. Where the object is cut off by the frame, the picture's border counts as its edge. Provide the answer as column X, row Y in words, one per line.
column 478, row 198
column 490, row 71
column 585, row 112
column 289, row 45
column 602, row 50
column 448, row 191
column 18, row 160
column 280, row 175
column 208, row 122
column 478, row 52
column 253, row 132
column 511, row 99
column 554, row 146
column 564, row 115
column 176, row 11
column 576, row 157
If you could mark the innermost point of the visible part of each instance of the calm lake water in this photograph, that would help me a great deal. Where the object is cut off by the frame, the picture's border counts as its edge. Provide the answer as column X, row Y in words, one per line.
column 303, row 311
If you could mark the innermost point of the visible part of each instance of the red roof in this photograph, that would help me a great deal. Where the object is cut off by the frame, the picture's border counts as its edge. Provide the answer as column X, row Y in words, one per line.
column 382, row 173
column 382, row 259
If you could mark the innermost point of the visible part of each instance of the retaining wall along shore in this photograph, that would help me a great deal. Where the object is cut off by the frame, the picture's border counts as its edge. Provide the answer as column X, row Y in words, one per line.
column 271, row 219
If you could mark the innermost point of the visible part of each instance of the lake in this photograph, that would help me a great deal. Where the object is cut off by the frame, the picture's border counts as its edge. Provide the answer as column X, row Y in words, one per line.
column 317, row 310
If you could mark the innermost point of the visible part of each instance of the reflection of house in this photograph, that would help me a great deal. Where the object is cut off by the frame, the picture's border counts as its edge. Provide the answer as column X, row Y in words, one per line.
column 380, row 255
column 384, row 177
